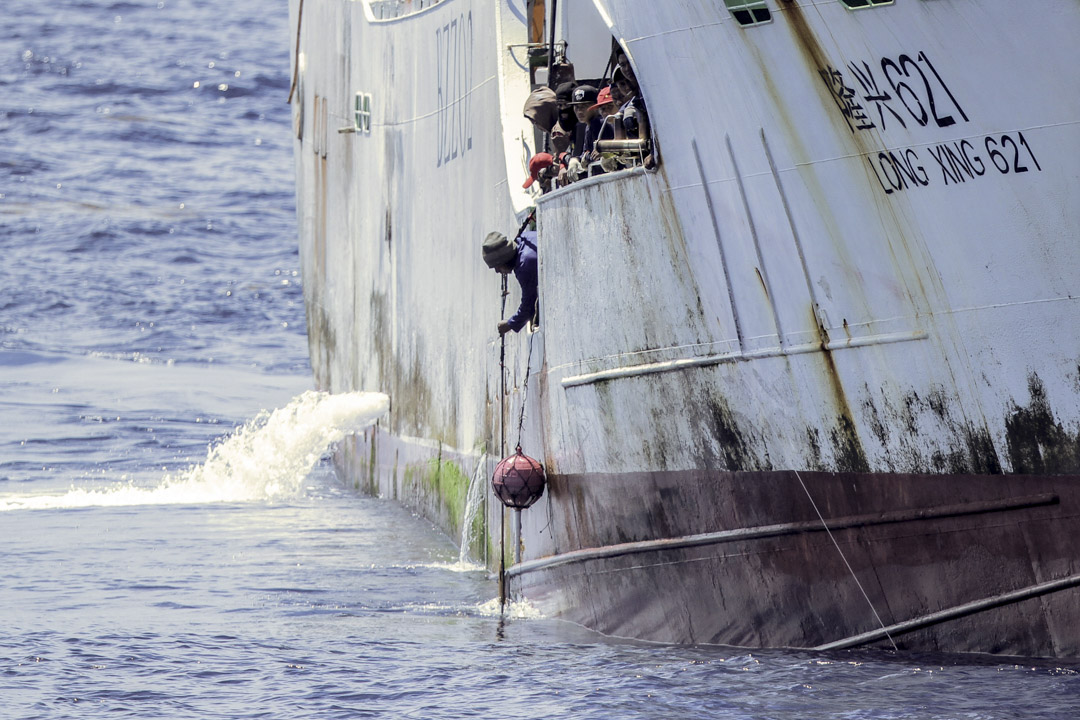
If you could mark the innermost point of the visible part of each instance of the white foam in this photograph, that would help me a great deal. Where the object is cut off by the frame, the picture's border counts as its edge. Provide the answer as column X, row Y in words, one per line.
column 461, row 566
column 266, row 459
column 517, row 609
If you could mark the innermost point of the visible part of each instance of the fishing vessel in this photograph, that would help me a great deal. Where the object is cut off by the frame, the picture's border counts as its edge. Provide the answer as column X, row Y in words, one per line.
column 805, row 370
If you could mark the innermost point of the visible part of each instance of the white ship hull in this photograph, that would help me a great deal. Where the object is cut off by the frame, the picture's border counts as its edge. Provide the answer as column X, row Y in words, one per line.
column 815, row 379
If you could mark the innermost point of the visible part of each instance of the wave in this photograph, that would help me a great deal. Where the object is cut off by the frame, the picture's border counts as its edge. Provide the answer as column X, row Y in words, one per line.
column 267, row 459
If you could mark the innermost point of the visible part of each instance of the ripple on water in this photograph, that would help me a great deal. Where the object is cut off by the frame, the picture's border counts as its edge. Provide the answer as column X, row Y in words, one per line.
column 154, row 305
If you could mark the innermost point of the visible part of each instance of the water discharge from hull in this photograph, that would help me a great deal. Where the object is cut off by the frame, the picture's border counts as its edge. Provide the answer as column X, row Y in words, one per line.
column 268, row 458
column 473, row 501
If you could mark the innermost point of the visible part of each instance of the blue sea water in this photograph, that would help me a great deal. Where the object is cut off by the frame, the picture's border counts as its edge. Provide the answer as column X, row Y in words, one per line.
column 169, row 550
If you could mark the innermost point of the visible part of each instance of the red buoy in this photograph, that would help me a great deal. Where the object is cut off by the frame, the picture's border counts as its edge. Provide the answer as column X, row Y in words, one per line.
column 518, row 480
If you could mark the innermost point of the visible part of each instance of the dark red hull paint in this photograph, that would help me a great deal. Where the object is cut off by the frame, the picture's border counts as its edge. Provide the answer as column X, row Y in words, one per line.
column 796, row 589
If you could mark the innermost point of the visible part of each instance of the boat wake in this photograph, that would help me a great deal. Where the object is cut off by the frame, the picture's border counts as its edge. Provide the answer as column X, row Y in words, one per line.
column 267, row 459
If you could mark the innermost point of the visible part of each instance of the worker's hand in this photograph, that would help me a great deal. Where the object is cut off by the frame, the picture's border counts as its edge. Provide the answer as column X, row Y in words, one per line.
column 504, row 327
column 574, row 170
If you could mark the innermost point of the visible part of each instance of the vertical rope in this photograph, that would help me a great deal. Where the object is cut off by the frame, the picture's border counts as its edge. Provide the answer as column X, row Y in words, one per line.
column 525, row 392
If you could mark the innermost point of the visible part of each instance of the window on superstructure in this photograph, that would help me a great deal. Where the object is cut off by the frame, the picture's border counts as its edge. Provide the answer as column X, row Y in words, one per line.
column 749, row 12
column 860, row 4
column 390, row 9
column 362, row 112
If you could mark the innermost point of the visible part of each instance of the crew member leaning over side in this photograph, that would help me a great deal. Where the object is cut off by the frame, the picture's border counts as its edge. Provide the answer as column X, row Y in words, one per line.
column 504, row 257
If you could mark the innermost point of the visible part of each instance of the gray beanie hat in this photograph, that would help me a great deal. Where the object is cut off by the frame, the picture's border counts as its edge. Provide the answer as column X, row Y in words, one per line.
column 498, row 251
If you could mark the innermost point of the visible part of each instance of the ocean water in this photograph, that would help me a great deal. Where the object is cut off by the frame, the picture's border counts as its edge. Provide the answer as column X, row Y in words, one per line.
column 173, row 543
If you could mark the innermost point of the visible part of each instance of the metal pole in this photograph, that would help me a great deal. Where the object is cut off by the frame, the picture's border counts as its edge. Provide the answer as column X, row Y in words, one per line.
column 502, row 449
column 502, row 559
column 551, row 47
column 517, row 536
column 959, row 611
column 502, row 373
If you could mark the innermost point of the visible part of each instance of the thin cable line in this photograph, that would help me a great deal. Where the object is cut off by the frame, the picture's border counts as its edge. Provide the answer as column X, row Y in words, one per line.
column 525, row 390
column 844, row 558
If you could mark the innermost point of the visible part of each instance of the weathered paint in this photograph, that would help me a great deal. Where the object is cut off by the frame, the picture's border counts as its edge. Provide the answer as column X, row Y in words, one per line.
column 791, row 290
column 975, row 536
column 431, row 480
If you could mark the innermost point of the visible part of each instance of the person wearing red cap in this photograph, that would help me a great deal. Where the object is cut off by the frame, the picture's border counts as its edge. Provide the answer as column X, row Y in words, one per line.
column 605, row 107
column 538, row 170
column 589, row 112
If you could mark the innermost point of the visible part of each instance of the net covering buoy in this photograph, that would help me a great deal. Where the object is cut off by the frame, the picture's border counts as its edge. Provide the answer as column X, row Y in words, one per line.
column 518, row 480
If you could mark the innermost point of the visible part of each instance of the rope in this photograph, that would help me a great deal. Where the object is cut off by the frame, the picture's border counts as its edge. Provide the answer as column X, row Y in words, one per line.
column 844, row 558
column 524, row 393
column 528, row 219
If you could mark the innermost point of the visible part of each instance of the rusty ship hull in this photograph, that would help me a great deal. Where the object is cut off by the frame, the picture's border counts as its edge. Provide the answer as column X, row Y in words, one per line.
column 814, row 381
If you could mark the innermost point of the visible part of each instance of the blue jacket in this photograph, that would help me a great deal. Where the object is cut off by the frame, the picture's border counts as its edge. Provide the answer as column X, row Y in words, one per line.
column 525, row 272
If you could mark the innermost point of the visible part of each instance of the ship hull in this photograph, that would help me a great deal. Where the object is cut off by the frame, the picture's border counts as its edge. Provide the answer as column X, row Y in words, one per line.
column 812, row 381
column 980, row 563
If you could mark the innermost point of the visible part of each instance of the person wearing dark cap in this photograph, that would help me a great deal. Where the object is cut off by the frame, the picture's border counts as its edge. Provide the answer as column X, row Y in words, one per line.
column 581, row 101
column 583, row 98
column 568, row 123
column 564, row 94
column 504, row 257
column 604, row 109
column 584, row 107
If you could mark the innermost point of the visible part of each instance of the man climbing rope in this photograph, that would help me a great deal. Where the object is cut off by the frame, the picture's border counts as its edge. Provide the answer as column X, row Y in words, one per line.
column 504, row 256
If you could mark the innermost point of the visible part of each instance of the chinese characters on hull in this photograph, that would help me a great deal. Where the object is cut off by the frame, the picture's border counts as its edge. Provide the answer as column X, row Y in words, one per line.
column 909, row 93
